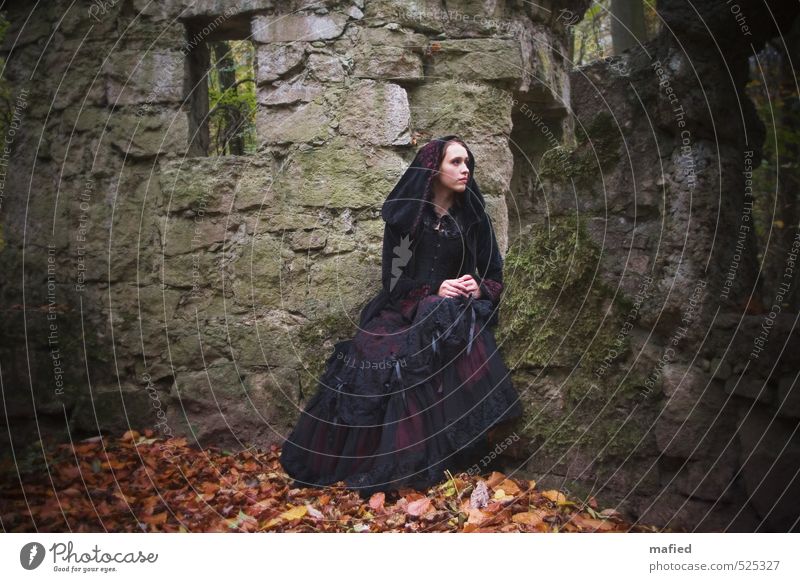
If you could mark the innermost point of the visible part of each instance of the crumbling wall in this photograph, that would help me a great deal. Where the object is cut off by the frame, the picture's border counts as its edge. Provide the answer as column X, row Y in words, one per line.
column 147, row 285
column 151, row 286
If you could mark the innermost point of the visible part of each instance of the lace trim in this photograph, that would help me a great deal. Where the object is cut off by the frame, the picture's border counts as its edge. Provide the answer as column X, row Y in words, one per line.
column 493, row 289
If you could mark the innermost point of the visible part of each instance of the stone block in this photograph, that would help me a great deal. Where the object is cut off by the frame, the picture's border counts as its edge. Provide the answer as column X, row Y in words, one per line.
column 275, row 60
column 484, row 59
column 297, row 27
column 376, row 113
column 340, row 174
column 144, row 77
column 465, row 108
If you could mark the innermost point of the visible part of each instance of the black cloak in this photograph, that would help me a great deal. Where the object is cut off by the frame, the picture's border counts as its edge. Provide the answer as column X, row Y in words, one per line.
column 402, row 213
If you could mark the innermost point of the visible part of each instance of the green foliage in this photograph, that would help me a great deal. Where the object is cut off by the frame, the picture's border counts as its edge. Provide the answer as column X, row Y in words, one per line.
column 233, row 110
column 591, row 37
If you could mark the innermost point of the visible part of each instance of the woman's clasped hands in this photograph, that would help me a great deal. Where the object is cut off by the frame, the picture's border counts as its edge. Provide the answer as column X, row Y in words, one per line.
column 464, row 286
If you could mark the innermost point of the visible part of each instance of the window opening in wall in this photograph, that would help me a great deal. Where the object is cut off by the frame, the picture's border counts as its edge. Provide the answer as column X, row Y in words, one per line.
column 609, row 27
column 221, row 88
column 232, row 98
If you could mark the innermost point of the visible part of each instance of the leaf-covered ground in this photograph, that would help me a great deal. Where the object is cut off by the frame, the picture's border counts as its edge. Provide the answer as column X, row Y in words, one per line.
column 141, row 483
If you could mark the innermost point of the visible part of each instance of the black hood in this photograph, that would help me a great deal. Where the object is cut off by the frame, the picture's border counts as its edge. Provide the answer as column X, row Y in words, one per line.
column 403, row 207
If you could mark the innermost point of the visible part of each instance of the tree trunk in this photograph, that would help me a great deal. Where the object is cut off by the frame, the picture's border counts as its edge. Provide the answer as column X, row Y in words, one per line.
column 196, row 90
column 229, row 136
column 627, row 24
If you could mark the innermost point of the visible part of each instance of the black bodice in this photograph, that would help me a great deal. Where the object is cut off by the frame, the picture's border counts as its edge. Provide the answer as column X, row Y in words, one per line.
column 442, row 248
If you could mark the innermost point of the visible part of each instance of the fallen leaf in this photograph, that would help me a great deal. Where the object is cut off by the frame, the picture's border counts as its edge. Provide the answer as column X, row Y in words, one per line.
column 501, row 495
column 510, row 487
column 208, row 491
column 480, row 495
column 493, row 507
column 377, row 500
column 495, row 479
column 527, row 518
column 156, row 519
column 295, row 512
column 611, row 513
column 591, row 524
column 314, row 512
column 554, row 495
column 478, row 517
column 419, row 507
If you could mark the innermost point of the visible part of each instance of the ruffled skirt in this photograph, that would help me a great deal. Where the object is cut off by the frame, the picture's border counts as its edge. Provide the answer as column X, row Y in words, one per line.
column 413, row 394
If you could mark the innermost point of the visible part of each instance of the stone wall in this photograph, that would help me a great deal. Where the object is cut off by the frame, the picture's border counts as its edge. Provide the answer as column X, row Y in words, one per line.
column 151, row 286
column 202, row 295
column 653, row 379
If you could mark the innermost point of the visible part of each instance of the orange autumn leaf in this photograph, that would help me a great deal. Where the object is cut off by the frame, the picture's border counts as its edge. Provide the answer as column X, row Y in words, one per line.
column 155, row 519
column 377, row 500
column 501, row 495
column 555, row 496
column 130, row 435
column 495, row 479
column 260, row 508
column 509, row 487
column 479, row 517
column 420, row 507
column 586, row 523
column 494, row 507
column 527, row 518
column 71, row 492
column 294, row 513
column 209, row 487
column 210, row 490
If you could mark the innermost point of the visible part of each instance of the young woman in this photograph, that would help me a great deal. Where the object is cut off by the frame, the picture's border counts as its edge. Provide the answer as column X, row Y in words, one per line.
column 417, row 389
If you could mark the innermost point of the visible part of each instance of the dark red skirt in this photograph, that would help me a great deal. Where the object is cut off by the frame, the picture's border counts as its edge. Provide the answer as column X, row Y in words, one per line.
column 413, row 394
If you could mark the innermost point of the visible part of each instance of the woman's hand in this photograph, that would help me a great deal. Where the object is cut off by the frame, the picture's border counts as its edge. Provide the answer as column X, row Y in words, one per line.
column 464, row 285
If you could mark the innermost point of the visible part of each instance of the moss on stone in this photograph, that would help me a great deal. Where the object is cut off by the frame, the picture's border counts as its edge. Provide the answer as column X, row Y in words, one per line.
column 556, row 314
column 554, row 308
column 312, row 336
column 594, row 419
column 598, row 149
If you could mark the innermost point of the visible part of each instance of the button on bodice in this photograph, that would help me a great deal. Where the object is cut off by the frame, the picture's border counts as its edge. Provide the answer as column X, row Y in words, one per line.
column 442, row 250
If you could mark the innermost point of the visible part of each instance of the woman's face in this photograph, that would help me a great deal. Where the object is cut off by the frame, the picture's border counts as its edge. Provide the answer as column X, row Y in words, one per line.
column 454, row 172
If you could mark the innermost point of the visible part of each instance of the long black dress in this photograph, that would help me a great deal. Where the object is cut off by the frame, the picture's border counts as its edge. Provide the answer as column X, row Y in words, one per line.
column 418, row 387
